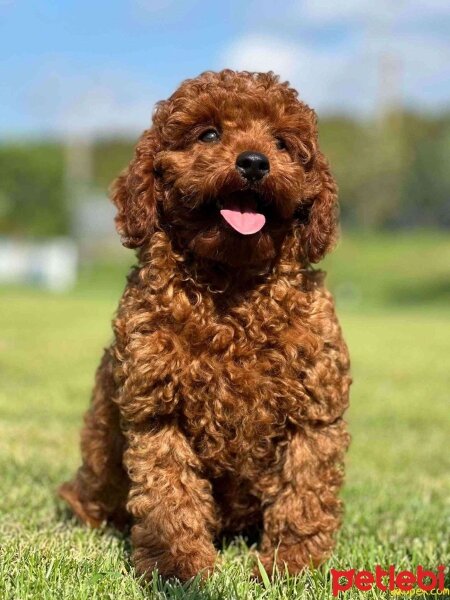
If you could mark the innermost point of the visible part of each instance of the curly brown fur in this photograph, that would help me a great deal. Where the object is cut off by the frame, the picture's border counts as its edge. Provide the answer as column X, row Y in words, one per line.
column 219, row 405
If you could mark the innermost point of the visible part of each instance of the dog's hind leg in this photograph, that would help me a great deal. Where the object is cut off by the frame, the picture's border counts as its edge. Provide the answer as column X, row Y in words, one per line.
column 99, row 489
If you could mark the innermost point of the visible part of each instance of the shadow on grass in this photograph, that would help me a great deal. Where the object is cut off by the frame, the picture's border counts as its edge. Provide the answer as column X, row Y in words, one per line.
column 418, row 292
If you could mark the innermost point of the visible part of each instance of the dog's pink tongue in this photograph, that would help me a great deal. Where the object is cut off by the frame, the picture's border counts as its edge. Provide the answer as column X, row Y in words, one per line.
column 243, row 219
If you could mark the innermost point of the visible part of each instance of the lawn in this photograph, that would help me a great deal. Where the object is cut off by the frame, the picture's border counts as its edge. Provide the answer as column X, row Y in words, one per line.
column 393, row 295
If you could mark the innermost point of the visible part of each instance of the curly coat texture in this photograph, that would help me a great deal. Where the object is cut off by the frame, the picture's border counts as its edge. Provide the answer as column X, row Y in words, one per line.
column 219, row 404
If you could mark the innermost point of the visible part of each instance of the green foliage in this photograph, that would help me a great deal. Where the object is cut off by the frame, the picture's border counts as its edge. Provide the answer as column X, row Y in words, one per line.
column 391, row 173
column 398, row 472
column 426, row 195
column 32, row 189
column 109, row 158
column 400, row 270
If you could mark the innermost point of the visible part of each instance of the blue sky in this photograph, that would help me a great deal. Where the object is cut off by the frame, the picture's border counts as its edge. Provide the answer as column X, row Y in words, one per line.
column 71, row 67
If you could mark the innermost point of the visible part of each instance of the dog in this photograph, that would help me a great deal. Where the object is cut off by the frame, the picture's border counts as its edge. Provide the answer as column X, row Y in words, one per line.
column 219, row 405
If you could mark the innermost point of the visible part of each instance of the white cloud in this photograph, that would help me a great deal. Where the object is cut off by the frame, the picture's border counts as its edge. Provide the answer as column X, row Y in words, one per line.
column 262, row 53
column 382, row 53
column 424, row 65
column 325, row 78
column 325, row 11
column 104, row 109
column 102, row 102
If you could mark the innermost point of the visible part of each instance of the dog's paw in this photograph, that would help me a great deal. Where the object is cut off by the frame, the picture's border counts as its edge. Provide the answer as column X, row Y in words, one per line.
column 184, row 568
column 87, row 512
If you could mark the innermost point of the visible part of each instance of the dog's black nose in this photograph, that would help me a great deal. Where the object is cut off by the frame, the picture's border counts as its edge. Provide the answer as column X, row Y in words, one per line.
column 252, row 165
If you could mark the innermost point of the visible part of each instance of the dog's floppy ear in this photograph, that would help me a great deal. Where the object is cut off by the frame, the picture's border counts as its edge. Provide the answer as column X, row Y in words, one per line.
column 133, row 193
column 319, row 230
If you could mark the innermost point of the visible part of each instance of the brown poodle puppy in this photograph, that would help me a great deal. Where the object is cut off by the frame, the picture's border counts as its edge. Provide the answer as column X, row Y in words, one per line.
column 219, row 404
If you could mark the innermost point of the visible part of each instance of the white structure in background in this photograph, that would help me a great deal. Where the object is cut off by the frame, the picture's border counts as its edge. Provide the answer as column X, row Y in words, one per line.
column 51, row 264
column 91, row 212
column 92, row 219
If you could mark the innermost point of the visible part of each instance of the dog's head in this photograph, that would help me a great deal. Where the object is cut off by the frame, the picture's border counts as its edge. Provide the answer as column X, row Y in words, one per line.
column 230, row 167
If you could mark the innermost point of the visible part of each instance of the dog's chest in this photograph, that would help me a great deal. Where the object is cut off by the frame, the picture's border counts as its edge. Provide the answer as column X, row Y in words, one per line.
column 238, row 380
column 241, row 385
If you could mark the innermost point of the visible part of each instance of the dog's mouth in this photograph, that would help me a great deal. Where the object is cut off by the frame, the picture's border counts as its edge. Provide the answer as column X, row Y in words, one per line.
column 243, row 212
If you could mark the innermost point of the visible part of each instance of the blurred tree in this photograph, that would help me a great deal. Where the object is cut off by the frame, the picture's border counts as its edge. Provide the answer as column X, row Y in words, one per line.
column 110, row 157
column 31, row 189
column 391, row 173
column 426, row 186
column 346, row 144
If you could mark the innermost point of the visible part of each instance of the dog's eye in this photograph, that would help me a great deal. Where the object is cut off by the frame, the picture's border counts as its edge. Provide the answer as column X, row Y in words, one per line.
column 210, row 135
column 280, row 143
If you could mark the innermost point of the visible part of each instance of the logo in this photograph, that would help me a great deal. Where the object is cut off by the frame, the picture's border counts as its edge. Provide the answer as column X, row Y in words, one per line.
column 389, row 580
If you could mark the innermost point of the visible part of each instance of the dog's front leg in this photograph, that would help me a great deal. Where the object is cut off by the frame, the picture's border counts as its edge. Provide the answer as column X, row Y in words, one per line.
column 303, row 515
column 171, row 504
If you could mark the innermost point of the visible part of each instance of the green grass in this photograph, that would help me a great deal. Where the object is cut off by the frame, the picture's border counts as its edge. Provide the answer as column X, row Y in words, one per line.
column 393, row 295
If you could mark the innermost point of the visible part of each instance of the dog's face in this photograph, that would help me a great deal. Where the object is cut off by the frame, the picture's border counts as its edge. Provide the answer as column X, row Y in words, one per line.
column 229, row 169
